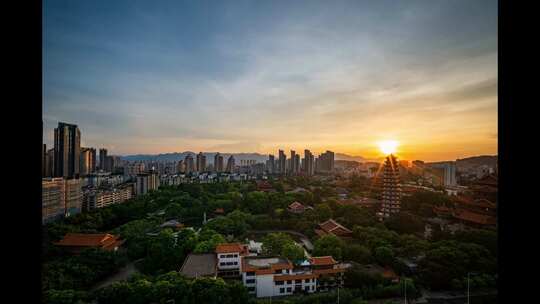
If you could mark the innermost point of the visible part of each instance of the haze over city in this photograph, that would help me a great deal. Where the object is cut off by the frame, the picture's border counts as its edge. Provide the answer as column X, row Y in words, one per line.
column 247, row 76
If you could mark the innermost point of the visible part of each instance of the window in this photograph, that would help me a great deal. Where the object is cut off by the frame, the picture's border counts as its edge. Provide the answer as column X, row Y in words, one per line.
column 289, row 289
column 298, row 281
column 313, row 287
column 306, row 288
column 250, row 273
column 250, row 281
column 235, row 263
column 222, row 264
column 235, row 255
column 279, row 282
column 306, row 280
column 282, row 290
column 289, row 282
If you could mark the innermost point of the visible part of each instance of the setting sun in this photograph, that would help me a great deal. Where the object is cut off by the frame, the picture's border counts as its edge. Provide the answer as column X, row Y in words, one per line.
column 388, row 146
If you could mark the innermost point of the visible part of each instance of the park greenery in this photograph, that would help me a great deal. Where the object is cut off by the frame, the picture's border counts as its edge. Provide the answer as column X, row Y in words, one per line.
column 158, row 253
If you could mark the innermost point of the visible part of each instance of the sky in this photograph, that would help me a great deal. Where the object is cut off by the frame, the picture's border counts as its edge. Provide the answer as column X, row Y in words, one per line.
column 257, row 76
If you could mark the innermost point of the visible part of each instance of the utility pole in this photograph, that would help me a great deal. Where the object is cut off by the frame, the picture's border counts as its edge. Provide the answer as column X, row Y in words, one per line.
column 338, row 294
column 468, row 288
column 405, row 283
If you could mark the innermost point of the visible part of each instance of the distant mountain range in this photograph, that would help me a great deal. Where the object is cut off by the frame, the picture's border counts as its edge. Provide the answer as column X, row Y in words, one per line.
column 260, row 158
column 474, row 161
column 342, row 156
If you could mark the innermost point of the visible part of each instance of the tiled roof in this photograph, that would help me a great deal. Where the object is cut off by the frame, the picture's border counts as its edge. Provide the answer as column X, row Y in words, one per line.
column 287, row 277
column 473, row 217
column 324, row 260
column 198, row 265
column 482, row 203
column 334, row 227
column 296, row 205
column 328, row 271
column 103, row 240
column 231, row 247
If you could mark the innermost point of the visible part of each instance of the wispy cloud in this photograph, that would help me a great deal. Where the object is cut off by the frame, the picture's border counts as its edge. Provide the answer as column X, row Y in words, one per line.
column 242, row 77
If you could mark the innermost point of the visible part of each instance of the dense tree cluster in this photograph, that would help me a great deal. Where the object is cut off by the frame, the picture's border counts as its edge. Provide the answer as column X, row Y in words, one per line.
column 281, row 244
column 443, row 262
column 81, row 271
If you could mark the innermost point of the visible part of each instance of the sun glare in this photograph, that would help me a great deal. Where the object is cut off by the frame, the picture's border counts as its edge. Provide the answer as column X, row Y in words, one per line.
column 388, row 146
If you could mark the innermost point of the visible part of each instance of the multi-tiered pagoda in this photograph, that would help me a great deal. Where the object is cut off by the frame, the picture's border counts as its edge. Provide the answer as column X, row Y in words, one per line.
column 391, row 189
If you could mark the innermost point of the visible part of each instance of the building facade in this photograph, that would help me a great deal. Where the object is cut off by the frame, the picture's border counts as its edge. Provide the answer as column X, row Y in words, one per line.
column 201, row 162
column 218, row 162
column 99, row 198
column 231, row 164
column 103, row 160
column 67, row 145
column 88, row 161
column 189, row 163
column 282, row 162
column 60, row 198
column 53, row 204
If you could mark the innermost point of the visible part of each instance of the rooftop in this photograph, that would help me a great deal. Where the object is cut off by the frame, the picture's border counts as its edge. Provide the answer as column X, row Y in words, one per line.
column 333, row 227
column 103, row 240
column 199, row 265
column 265, row 265
column 323, row 260
column 231, row 247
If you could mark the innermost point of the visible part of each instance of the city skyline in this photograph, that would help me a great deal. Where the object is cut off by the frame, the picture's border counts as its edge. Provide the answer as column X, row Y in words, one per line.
column 246, row 77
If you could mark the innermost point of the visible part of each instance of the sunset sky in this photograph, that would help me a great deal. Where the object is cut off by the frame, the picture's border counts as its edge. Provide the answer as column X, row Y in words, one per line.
column 256, row 76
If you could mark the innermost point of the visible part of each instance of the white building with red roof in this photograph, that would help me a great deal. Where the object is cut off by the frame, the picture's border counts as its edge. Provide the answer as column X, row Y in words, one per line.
column 229, row 258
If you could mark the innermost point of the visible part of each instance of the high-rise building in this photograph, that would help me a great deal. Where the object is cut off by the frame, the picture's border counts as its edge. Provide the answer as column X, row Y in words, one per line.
column 201, row 162
column 296, row 163
column 146, row 182
column 67, row 144
column 189, row 163
column 292, row 162
column 325, row 162
column 60, row 198
column 53, row 201
column 391, row 189
column 103, row 160
column 282, row 162
column 308, row 163
column 141, row 184
column 270, row 165
column 112, row 162
column 218, row 162
column 180, row 166
column 153, row 180
column 448, row 173
column 88, row 161
column 49, row 163
column 230, row 164
column 44, row 161
column 74, row 196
